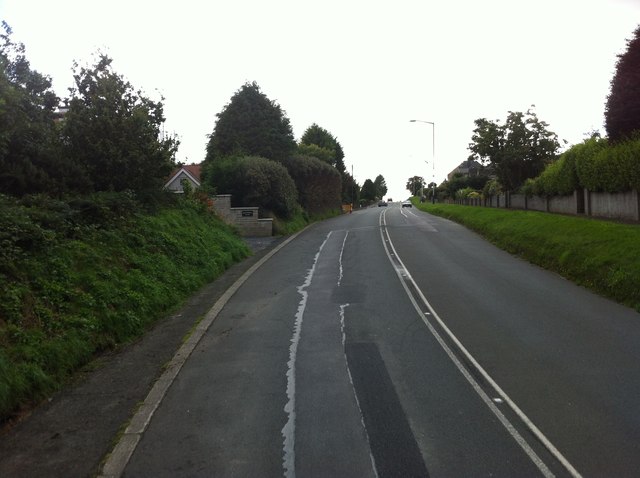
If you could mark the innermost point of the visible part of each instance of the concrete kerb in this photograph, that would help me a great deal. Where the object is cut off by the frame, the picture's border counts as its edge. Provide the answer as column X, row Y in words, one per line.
column 118, row 459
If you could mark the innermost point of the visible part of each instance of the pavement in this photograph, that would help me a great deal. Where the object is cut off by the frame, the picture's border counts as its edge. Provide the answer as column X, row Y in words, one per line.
column 72, row 432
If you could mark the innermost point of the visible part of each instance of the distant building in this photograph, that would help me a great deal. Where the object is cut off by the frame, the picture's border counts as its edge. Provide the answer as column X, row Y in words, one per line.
column 59, row 113
column 188, row 172
column 468, row 168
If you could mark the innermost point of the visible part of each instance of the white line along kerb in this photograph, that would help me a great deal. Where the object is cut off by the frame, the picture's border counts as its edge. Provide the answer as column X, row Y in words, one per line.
column 501, row 393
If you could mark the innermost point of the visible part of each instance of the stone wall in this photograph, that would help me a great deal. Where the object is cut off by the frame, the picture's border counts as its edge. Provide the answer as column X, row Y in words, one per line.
column 244, row 218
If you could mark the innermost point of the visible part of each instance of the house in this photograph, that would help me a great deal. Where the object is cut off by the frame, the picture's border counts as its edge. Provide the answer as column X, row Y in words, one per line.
column 188, row 172
column 468, row 168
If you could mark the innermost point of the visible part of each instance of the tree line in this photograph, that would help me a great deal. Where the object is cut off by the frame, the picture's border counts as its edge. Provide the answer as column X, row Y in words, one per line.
column 108, row 136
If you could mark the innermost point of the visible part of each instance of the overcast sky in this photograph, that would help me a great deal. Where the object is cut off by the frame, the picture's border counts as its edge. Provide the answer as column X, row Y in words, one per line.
column 360, row 69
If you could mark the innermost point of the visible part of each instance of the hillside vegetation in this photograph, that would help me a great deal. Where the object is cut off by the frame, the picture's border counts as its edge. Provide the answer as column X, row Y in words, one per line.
column 600, row 255
column 82, row 276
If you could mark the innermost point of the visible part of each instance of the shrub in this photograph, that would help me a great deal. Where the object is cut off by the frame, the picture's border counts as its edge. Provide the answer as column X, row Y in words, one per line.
column 559, row 177
column 491, row 188
column 319, row 184
column 255, row 181
column 598, row 166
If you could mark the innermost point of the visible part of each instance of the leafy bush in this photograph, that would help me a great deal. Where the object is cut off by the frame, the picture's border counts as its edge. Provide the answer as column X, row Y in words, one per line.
column 492, row 188
column 466, row 193
column 319, row 184
column 601, row 167
column 254, row 181
column 558, row 178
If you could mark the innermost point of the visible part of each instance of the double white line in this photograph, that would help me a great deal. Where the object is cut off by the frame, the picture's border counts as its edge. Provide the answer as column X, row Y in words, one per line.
column 405, row 276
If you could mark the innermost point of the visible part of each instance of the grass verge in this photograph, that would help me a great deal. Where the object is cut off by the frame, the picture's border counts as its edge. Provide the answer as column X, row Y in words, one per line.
column 603, row 256
column 81, row 277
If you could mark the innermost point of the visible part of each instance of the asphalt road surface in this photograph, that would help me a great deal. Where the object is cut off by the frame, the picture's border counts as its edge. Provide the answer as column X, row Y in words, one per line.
column 389, row 342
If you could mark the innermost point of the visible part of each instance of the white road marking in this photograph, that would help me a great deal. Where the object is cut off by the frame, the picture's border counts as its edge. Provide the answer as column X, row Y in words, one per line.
column 289, row 429
column 340, row 259
column 510, row 428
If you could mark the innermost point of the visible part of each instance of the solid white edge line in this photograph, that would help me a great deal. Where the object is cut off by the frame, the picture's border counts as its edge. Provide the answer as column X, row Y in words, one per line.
column 528, row 423
column 119, row 457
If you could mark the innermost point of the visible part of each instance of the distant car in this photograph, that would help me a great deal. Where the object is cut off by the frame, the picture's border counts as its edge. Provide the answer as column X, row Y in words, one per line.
column 389, row 200
column 382, row 203
column 407, row 204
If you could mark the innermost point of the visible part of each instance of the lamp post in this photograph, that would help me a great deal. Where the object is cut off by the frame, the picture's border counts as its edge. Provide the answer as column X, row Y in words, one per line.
column 433, row 153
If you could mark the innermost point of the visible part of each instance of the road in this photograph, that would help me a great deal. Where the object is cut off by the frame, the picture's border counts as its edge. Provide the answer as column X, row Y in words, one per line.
column 390, row 342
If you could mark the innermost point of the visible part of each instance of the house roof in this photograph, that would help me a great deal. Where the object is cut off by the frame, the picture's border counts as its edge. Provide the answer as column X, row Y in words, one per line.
column 191, row 170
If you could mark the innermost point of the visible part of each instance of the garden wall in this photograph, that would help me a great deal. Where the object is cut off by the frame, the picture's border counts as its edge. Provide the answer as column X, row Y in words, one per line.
column 621, row 206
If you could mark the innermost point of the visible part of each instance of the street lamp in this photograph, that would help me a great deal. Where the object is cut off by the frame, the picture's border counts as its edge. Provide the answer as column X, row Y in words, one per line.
column 433, row 153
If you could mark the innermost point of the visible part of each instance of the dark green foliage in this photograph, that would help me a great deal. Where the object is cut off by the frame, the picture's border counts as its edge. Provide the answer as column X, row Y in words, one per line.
column 319, row 184
column 313, row 150
column 368, row 192
column 595, row 165
column 459, row 182
column 30, row 160
column 254, row 181
column 622, row 110
column 108, row 140
column 321, row 138
column 381, row 186
column 611, row 168
column 350, row 189
column 251, row 125
column 517, row 150
column 113, row 132
column 415, row 185
column 72, row 287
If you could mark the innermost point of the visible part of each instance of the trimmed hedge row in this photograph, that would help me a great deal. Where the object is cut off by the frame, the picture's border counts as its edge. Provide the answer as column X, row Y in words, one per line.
column 594, row 165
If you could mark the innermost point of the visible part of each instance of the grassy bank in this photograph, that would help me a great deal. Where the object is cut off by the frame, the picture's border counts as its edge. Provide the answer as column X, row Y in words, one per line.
column 600, row 255
column 82, row 276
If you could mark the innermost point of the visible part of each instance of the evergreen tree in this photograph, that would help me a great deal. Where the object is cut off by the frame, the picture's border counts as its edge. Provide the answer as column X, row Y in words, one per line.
column 622, row 110
column 368, row 191
column 251, row 124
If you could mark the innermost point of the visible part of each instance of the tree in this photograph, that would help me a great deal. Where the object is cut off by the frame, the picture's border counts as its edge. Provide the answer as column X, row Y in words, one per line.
column 622, row 110
column 368, row 191
column 518, row 149
column 350, row 189
column 415, row 185
column 251, row 124
column 381, row 186
column 320, row 137
column 114, row 132
column 29, row 155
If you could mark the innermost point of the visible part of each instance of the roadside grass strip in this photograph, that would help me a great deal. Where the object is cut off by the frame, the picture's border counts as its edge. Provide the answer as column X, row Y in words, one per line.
column 603, row 256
